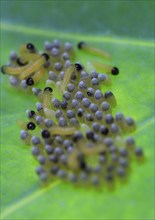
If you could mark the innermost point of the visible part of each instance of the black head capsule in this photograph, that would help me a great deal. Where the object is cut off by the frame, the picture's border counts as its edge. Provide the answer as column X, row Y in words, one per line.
column 49, row 89
column 80, row 45
column 114, row 71
column 31, row 114
column 30, row 81
column 31, row 126
column 46, row 56
column 78, row 67
column 31, row 47
column 45, row 134
column 2, row 69
column 19, row 62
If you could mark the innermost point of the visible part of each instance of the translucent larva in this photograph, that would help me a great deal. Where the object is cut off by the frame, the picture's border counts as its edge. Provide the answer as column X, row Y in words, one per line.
column 67, row 76
column 13, row 70
column 95, row 51
column 106, row 68
column 47, row 97
column 25, row 59
column 38, row 75
column 62, row 131
column 34, row 66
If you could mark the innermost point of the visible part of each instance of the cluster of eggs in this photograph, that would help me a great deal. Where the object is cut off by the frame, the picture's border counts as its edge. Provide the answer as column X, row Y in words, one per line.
column 74, row 137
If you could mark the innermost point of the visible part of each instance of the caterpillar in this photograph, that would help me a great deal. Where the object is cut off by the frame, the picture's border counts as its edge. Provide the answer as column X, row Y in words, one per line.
column 75, row 136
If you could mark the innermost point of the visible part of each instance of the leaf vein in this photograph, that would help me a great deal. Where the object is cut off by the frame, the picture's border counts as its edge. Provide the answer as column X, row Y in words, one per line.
column 43, row 32
column 26, row 200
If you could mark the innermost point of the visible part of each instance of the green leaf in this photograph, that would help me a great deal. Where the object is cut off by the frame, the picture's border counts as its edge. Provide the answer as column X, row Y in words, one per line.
column 21, row 195
column 111, row 18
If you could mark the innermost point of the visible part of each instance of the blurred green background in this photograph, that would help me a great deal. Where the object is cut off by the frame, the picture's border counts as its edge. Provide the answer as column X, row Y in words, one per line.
column 123, row 18
column 126, row 30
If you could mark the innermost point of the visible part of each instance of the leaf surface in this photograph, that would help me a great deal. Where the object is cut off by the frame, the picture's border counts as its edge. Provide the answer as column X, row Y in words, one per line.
column 21, row 195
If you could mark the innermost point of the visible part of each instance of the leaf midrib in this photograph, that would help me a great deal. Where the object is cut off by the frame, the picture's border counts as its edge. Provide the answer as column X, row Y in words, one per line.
column 98, row 39
column 38, row 193
column 26, row 200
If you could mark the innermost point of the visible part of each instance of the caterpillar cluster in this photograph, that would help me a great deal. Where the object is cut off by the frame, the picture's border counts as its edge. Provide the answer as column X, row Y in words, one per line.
column 75, row 137
column 30, row 66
